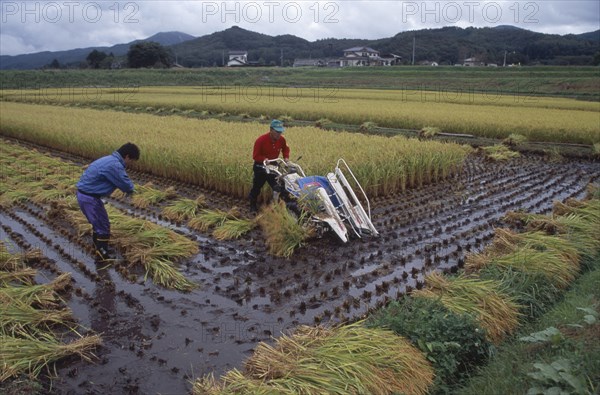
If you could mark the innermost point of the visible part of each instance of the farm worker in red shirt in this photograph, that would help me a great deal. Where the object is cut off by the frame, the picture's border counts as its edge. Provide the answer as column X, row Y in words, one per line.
column 100, row 179
column 267, row 146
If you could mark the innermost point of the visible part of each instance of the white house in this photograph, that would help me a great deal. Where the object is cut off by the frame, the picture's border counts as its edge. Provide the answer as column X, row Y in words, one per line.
column 359, row 56
column 237, row 58
column 366, row 56
column 473, row 62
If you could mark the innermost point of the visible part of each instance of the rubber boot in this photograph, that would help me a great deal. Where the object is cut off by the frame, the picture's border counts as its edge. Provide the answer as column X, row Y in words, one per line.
column 253, row 206
column 101, row 245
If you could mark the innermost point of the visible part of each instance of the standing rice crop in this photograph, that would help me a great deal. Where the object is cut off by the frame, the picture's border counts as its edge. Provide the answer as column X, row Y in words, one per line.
column 187, row 150
column 542, row 119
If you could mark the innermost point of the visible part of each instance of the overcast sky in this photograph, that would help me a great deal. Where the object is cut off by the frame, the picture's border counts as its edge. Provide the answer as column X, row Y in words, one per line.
column 34, row 26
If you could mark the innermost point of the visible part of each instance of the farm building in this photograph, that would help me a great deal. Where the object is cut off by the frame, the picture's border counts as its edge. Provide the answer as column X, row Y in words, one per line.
column 237, row 58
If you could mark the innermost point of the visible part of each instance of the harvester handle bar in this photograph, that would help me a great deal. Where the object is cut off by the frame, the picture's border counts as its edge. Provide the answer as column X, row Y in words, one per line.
column 357, row 183
column 280, row 162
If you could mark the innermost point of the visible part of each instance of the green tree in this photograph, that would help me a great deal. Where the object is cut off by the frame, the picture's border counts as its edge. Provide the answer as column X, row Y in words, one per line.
column 54, row 64
column 148, row 54
column 94, row 58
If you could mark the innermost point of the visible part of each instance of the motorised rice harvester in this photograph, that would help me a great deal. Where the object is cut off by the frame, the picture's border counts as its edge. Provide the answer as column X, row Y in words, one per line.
column 330, row 201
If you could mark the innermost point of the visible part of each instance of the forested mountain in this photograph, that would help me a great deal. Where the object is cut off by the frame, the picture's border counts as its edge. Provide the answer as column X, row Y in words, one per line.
column 447, row 45
column 74, row 57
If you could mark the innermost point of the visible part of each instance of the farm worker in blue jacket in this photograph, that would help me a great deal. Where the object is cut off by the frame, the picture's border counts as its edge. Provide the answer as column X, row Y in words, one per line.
column 100, row 179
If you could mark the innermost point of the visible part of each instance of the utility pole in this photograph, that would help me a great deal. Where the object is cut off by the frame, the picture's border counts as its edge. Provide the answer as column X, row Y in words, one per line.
column 223, row 58
column 504, row 64
column 413, row 53
column 281, row 60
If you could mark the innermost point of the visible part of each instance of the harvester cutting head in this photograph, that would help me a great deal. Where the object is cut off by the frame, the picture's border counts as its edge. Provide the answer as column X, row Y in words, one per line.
column 330, row 200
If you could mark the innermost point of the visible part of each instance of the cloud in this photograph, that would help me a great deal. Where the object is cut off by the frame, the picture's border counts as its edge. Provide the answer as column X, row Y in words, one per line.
column 60, row 25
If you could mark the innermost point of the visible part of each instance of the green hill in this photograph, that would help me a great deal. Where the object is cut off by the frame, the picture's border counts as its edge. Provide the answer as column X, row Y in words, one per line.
column 447, row 45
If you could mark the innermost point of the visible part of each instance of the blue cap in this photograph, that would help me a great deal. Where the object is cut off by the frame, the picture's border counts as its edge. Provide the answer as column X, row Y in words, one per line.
column 277, row 125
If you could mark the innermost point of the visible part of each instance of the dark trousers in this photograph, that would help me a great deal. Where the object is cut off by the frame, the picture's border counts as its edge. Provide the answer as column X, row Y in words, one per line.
column 94, row 211
column 260, row 177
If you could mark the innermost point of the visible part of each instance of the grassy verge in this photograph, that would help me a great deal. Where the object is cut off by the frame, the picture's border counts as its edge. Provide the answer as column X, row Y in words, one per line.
column 512, row 370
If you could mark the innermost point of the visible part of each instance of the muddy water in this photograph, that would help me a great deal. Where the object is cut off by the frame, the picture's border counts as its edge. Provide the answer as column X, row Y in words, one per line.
column 157, row 341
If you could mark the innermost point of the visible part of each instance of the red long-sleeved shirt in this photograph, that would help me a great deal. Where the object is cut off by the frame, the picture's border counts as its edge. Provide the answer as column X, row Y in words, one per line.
column 266, row 148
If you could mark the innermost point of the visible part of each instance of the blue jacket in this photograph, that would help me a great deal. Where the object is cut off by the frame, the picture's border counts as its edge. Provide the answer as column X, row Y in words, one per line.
column 105, row 175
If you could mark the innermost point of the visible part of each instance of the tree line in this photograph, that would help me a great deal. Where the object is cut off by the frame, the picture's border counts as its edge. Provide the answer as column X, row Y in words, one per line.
column 143, row 54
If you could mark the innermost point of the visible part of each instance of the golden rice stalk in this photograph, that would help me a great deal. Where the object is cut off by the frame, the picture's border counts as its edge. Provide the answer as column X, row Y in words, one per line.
column 60, row 282
column 233, row 383
column 48, row 195
column 569, row 206
column 7, row 199
column 18, row 315
column 43, row 295
column 233, row 229
column 593, row 190
column 170, row 248
column 507, row 241
column 40, row 295
column 164, row 274
column 23, row 276
column 33, row 255
column 429, row 131
column 349, row 359
column 184, row 209
column 30, row 355
column 208, row 218
column 498, row 152
column 548, row 264
column 8, row 261
column 495, row 311
column 518, row 218
column 284, row 232
column 474, row 262
column 146, row 195
column 514, row 139
column 590, row 210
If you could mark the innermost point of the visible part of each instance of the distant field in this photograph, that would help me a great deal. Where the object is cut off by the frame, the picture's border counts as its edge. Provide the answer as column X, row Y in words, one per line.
column 577, row 82
column 486, row 114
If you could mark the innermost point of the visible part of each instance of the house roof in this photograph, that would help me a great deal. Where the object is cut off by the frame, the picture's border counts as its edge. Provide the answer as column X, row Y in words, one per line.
column 360, row 49
column 238, row 52
column 355, row 58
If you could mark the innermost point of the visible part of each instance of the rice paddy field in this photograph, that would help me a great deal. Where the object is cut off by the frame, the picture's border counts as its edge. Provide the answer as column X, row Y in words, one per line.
column 202, row 300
